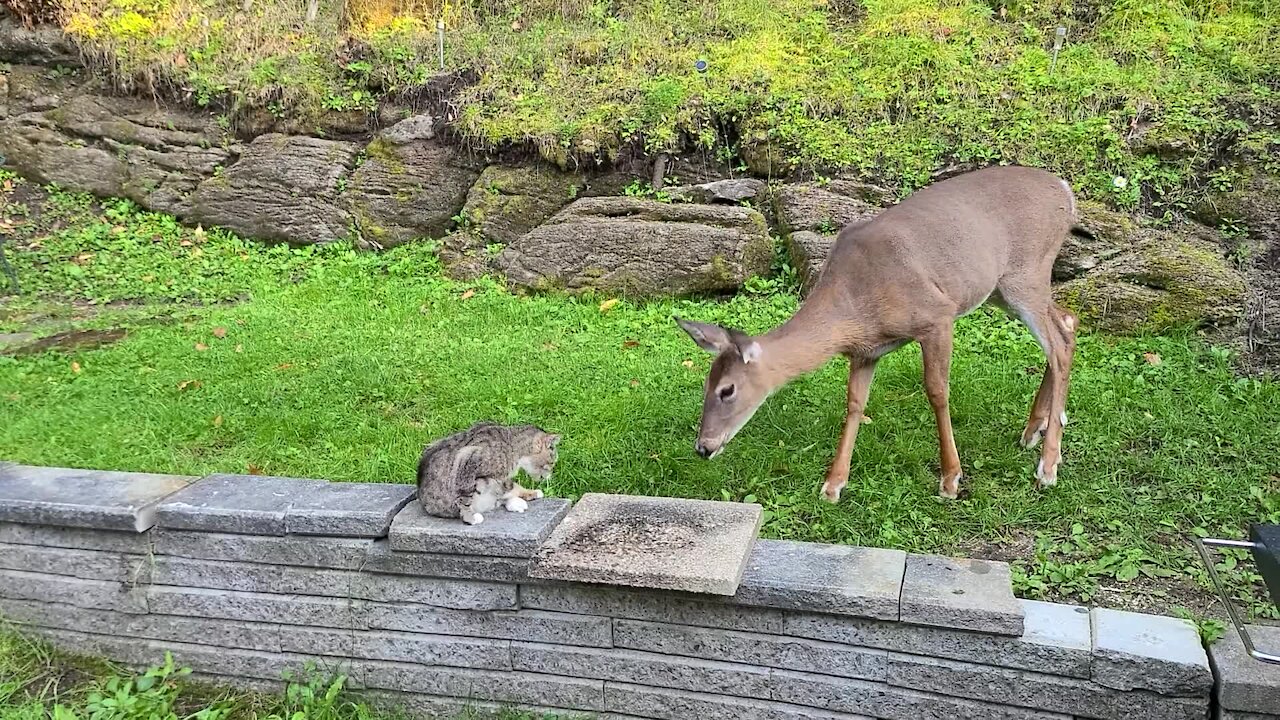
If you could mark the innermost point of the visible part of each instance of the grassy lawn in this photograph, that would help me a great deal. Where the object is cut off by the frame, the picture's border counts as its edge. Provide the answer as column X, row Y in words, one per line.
column 336, row 364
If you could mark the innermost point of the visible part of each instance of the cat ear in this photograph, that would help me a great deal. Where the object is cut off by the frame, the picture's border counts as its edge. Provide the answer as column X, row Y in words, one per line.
column 552, row 439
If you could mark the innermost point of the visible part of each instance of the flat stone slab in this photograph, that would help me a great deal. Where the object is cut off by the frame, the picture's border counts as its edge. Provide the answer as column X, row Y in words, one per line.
column 960, row 594
column 502, row 534
column 1134, row 651
column 341, row 509
column 814, row 577
column 246, row 504
column 99, row 499
column 1245, row 684
column 697, row 546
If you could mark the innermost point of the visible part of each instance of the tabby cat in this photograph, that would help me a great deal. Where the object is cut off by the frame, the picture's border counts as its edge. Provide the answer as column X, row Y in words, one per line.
column 472, row 472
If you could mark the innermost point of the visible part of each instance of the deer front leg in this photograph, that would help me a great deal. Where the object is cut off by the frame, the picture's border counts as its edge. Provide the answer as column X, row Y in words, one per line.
column 935, row 350
column 861, row 371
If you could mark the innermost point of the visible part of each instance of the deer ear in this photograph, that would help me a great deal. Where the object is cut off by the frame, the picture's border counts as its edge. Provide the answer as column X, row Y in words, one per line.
column 711, row 338
column 750, row 351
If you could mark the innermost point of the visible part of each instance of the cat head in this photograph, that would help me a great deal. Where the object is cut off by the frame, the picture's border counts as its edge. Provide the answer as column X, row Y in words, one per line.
column 541, row 453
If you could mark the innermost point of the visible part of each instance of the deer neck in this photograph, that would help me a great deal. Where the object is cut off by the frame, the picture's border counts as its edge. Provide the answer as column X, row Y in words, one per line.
column 805, row 343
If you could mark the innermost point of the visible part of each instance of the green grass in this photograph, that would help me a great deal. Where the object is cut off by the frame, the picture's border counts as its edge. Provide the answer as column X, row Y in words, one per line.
column 343, row 365
column 1164, row 93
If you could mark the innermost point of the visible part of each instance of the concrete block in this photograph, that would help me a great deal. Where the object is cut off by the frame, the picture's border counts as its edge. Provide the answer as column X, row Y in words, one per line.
column 498, row 686
column 238, row 686
column 502, row 534
column 87, row 564
column 119, row 541
column 642, row 668
column 93, row 594
column 456, row 594
column 891, row 703
column 1054, row 641
column 317, row 641
column 645, row 605
column 363, row 510
column 1221, row 714
column 625, row 701
column 250, row 606
column 382, row 559
column 248, row 663
column 696, row 546
column 441, row 650
column 334, row 553
column 401, row 704
column 83, row 498
column 252, row 577
column 857, row 581
column 1245, row 684
column 752, row 649
column 530, row 625
column 248, row 504
column 1148, row 652
column 960, row 594
column 1038, row 691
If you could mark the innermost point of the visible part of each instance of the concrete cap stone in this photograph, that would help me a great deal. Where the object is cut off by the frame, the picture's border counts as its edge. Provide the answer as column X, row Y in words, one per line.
column 697, row 546
column 961, row 594
column 1244, row 683
column 99, row 499
column 502, row 534
column 246, row 504
column 1134, row 651
column 363, row 510
column 838, row 579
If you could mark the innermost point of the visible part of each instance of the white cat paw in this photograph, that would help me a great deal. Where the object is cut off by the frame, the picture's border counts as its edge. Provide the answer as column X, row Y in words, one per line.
column 516, row 505
column 537, row 494
column 475, row 519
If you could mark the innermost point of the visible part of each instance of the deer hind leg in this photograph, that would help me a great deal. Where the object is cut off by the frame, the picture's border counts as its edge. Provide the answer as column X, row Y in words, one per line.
column 936, row 352
column 1063, row 326
column 861, row 371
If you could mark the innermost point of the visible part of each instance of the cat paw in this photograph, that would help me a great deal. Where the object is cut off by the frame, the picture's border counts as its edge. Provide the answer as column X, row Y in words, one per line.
column 537, row 495
column 475, row 519
column 516, row 505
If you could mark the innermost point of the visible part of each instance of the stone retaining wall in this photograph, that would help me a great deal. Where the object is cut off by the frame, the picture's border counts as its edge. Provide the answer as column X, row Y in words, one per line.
column 244, row 578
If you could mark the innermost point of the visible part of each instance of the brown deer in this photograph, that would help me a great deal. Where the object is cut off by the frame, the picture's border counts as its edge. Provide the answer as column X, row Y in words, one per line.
column 905, row 275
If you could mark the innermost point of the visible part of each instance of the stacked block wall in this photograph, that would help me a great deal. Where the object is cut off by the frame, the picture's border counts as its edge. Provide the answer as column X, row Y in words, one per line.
column 244, row 585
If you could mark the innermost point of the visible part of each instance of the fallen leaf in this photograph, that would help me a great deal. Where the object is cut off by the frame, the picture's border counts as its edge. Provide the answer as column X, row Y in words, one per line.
column 1152, row 358
column 239, row 348
column 240, row 321
column 284, row 366
column 186, row 243
column 549, row 346
column 607, row 305
column 866, row 419
column 635, row 383
column 1148, row 415
column 468, row 294
column 198, row 233
column 117, row 229
column 13, row 397
column 255, row 470
column 655, row 456
column 148, row 278
column 627, row 345
column 201, row 347
column 193, row 384
column 75, row 368
column 180, row 60
column 219, row 332
column 217, row 421
column 8, row 185
column 424, row 309
column 688, row 364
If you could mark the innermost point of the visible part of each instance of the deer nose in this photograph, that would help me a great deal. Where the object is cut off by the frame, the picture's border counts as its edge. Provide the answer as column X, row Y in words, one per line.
column 702, row 450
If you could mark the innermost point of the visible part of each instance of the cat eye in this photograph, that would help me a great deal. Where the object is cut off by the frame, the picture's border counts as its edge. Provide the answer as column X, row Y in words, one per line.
column 727, row 392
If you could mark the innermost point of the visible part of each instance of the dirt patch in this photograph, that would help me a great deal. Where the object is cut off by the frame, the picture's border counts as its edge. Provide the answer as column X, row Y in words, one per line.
column 641, row 532
column 67, row 341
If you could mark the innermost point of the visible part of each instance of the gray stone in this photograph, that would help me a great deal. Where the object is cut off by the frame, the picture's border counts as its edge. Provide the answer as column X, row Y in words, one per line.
column 93, row 594
column 436, row 650
column 502, row 534
column 641, row 248
column 251, row 577
column 1148, row 652
column 406, row 192
column 1052, row 642
column 9, row 341
column 237, row 686
column 752, row 649
column 809, row 251
column 537, row 689
column 282, row 188
column 826, row 208
column 530, row 625
column 669, row 704
column 961, row 594
column 333, row 553
column 120, row 541
column 249, row 606
column 696, row 546
column 411, row 129
column 62, row 616
column 317, row 641
column 249, row 504
column 83, row 498
column 45, row 44
column 838, row 579
column 888, row 702
column 382, row 559
column 1038, row 691
column 1243, row 683
column 1222, row 714
column 363, row 510
column 404, row 704
column 87, row 564
column 731, row 191
column 644, row 605
column 456, row 594
column 643, row 668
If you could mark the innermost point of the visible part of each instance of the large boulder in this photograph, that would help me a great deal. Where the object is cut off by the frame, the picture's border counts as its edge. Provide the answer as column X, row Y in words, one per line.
column 409, row 186
column 41, row 44
column 641, row 248
column 814, row 213
column 283, row 188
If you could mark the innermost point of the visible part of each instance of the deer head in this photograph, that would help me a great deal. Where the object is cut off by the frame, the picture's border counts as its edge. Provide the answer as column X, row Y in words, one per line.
column 736, row 385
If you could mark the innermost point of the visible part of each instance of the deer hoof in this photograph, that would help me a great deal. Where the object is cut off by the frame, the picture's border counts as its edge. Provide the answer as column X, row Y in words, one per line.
column 831, row 493
column 950, row 489
column 1046, row 477
column 1031, row 437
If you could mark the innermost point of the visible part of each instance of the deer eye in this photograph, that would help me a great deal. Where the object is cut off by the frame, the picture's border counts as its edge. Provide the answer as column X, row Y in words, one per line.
column 727, row 392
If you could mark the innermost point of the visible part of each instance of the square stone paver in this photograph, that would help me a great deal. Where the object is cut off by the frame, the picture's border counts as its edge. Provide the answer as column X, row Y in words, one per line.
column 697, row 546
column 815, row 577
column 348, row 509
column 502, row 534
column 1246, row 684
column 961, row 594
column 246, row 504
column 100, row 499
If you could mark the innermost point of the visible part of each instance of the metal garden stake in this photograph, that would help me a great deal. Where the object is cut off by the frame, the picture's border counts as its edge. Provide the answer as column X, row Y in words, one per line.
column 440, row 40
column 1058, row 38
